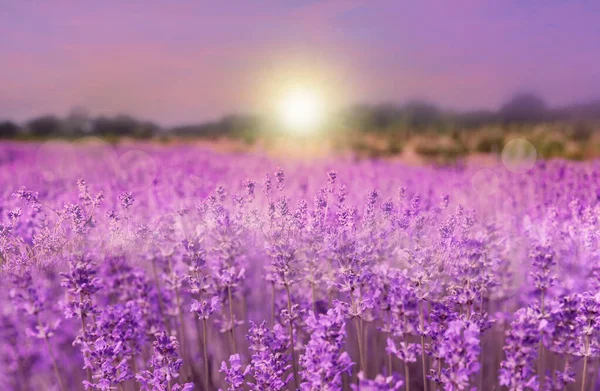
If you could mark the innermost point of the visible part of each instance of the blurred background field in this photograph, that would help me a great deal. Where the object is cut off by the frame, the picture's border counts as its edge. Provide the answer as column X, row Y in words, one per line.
column 423, row 82
column 416, row 132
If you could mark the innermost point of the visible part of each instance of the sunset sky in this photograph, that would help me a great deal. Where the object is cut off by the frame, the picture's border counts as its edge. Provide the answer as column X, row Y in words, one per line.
column 179, row 61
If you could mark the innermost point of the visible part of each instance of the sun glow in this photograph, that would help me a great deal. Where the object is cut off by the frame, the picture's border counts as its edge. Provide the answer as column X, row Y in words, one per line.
column 301, row 110
column 300, row 94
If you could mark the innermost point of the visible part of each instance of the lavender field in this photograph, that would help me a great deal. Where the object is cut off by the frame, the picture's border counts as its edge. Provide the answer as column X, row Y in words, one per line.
column 146, row 267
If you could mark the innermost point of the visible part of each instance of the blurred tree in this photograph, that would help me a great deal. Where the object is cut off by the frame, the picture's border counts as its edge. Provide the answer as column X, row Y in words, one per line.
column 77, row 123
column 524, row 107
column 383, row 117
column 123, row 126
column 475, row 119
column 45, row 126
column 357, row 117
column 386, row 118
column 238, row 126
column 421, row 115
column 9, row 129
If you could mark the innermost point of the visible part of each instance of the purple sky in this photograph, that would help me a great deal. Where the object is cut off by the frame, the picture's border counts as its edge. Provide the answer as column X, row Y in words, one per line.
column 175, row 61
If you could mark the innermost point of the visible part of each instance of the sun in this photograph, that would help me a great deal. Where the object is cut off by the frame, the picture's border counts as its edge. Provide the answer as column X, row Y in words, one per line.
column 301, row 110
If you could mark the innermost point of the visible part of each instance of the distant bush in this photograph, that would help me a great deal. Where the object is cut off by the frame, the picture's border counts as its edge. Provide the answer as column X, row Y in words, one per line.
column 581, row 131
column 524, row 107
column 441, row 153
column 488, row 144
column 552, row 148
column 45, row 126
column 575, row 155
column 8, row 130
column 394, row 147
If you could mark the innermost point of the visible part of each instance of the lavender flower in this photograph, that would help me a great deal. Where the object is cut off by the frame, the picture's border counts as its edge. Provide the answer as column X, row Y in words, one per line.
column 30, row 300
column 460, row 351
column 543, row 259
column 234, row 375
column 521, row 348
column 108, row 365
column 406, row 352
column 126, row 199
column 269, row 358
column 423, row 267
column 205, row 308
column 279, row 176
column 324, row 363
column 165, row 365
column 81, row 283
column 380, row 383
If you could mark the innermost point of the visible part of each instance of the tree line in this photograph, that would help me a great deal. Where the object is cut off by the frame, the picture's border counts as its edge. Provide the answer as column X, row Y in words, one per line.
column 523, row 108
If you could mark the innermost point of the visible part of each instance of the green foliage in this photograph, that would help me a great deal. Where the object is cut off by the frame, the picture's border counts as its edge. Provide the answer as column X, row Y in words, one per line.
column 550, row 149
column 440, row 153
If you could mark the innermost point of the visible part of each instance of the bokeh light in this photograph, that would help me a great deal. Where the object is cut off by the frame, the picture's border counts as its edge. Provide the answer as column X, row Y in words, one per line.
column 519, row 156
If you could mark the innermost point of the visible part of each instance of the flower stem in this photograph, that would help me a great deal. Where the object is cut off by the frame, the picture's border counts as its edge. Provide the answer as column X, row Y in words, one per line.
column 585, row 361
column 541, row 369
column 365, row 333
column 360, row 345
column 293, row 351
column 272, row 303
column 389, row 355
column 204, row 339
column 159, row 297
column 404, row 341
column 314, row 296
column 51, row 354
column 406, row 369
column 82, row 318
column 423, row 359
column 181, row 330
column 232, row 330
column 583, row 373
column 134, row 366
